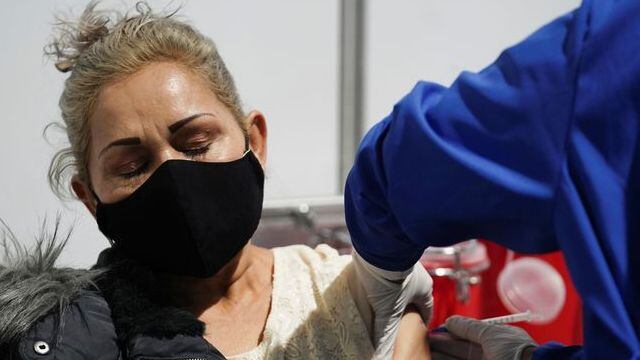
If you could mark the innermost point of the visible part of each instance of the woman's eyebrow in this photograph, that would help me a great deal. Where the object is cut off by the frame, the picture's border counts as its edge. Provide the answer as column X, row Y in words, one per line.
column 180, row 123
column 136, row 140
column 123, row 141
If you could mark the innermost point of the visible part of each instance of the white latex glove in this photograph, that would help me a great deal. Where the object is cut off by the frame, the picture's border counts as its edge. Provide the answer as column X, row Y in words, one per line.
column 499, row 342
column 389, row 293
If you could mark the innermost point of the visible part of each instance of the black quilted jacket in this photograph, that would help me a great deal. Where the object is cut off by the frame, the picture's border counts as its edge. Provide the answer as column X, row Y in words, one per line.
column 47, row 313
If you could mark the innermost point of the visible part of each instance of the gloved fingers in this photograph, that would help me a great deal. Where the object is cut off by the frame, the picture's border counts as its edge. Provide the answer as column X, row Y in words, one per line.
column 419, row 281
column 467, row 328
column 385, row 342
column 418, row 284
column 388, row 294
column 425, row 309
column 497, row 341
column 421, row 288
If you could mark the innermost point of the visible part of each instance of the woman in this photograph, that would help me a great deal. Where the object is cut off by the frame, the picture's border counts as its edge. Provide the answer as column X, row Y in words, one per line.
column 172, row 169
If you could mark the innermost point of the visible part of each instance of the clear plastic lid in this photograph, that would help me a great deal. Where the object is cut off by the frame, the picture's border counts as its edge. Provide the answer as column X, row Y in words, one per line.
column 531, row 284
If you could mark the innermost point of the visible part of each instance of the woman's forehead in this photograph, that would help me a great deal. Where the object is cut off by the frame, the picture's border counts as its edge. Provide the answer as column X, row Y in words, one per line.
column 159, row 87
column 158, row 94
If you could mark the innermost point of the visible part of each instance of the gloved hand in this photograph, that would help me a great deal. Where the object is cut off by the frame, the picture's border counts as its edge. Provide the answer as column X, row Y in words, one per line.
column 389, row 293
column 499, row 342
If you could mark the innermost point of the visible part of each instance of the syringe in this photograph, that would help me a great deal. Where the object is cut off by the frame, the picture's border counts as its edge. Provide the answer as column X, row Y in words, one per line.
column 507, row 319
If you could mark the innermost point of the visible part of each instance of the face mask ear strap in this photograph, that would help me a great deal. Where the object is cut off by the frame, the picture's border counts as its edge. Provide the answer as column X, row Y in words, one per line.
column 94, row 194
column 99, row 202
column 247, row 148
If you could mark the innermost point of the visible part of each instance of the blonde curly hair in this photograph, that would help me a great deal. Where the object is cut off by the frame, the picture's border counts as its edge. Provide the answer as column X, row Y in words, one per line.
column 101, row 47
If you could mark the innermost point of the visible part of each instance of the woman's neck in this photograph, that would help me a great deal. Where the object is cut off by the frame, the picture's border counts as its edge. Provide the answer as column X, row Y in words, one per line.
column 245, row 276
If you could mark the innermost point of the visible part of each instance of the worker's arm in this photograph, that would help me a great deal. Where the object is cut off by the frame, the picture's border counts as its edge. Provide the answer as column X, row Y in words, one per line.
column 481, row 158
column 382, row 298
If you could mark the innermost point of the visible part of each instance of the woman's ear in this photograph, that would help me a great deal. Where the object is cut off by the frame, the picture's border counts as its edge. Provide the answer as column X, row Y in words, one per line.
column 85, row 195
column 257, row 131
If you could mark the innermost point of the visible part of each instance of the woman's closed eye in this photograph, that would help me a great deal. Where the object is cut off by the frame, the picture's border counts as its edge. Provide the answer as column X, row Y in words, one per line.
column 196, row 150
column 133, row 169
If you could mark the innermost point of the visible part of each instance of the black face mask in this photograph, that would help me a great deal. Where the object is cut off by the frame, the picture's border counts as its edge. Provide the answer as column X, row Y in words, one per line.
column 189, row 218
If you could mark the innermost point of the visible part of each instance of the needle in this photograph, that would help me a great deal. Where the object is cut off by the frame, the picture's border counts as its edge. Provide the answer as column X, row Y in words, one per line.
column 507, row 319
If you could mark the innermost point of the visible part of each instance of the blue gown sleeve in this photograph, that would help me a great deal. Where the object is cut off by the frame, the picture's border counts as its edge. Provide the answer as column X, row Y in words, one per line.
column 481, row 158
column 554, row 350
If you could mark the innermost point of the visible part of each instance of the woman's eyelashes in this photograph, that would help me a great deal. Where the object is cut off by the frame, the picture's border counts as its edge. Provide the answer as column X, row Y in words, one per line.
column 197, row 151
column 132, row 170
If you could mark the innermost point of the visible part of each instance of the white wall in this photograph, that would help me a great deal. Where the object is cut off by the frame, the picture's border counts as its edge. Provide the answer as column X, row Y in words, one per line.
column 284, row 57
column 434, row 40
column 282, row 53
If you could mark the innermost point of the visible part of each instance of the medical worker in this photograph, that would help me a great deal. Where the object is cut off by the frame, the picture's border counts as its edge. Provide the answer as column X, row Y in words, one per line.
column 540, row 151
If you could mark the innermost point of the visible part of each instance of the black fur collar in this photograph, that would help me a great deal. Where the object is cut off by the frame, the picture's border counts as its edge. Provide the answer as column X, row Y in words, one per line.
column 135, row 296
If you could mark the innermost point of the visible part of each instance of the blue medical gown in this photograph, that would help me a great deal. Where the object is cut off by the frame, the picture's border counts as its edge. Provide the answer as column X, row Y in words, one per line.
column 539, row 151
